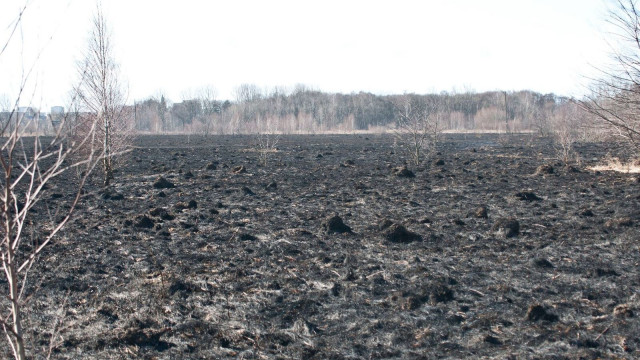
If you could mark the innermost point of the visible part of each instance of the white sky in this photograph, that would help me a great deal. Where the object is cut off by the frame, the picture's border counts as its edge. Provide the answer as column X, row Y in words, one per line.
column 177, row 47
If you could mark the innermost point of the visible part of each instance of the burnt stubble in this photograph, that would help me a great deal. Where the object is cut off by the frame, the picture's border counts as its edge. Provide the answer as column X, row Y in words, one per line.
column 240, row 260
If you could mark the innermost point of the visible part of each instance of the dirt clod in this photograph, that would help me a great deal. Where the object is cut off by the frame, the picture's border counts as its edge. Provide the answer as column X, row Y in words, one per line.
column 481, row 212
column 162, row 214
column 544, row 169
column 162, row 183
column 247, row 237
column 143, row 221
column 542, row 263
column 586, row 213
column 397, row 233
column 539, row 312
column 181, row 205
column 440, row 293
column 527, row 196
column 335, row 225
column 403, row 172
column 506, row 227
column 492, row 340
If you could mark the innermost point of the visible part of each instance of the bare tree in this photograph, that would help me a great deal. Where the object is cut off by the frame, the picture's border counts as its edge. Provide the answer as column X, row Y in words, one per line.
column 565, row 125
column 210, row 106
column 163, row 110
column 615, row 96
column 28, row 167
column 101, row 94
column 187, row 111
column 267, row 139
column 417, row 129
column 247, row 93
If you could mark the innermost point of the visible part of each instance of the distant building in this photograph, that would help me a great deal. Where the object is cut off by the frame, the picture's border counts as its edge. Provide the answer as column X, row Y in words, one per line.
column 27, row 112
column 56, row 116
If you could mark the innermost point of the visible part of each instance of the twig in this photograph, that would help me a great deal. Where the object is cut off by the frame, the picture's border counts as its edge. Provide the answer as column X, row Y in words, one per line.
column 603, row 332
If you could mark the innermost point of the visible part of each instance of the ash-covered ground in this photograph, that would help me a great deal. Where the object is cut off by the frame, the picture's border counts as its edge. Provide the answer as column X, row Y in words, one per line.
column 331, row 250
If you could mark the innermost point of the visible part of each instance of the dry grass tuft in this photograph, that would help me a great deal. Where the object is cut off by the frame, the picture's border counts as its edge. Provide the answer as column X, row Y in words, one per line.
column 615, row 164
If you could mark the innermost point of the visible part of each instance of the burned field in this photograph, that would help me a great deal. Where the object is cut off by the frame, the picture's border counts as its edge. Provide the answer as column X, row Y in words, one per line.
column 333, row 251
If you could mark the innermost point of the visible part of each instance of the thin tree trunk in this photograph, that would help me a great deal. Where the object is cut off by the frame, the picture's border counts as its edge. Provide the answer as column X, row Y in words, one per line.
column 12, row 274
column 108, row 170
column 15, row 304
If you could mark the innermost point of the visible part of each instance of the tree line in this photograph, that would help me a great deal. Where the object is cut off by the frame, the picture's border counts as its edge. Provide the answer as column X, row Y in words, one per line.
column 306, row 110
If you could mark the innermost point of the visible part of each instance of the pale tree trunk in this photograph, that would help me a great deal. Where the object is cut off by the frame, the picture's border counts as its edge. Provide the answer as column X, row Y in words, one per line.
column 108, row 170
column 9, row 263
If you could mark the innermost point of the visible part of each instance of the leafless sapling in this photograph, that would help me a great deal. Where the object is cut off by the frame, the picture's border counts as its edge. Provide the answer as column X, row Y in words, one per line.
column 417, row 129
column 267, row 139
column 28, row 167
column 101, row 95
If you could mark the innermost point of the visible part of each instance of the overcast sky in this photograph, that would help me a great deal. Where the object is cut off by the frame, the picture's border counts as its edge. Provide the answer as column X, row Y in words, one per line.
column 177, row 47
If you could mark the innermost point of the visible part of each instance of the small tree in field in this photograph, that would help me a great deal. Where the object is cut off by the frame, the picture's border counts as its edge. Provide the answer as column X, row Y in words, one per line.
column 565, row 125
column 102, row 96
column 29, row 166
column 417, row 129
column 267, row 139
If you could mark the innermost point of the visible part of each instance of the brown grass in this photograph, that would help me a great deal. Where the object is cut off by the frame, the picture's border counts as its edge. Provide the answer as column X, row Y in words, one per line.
column 615, row 164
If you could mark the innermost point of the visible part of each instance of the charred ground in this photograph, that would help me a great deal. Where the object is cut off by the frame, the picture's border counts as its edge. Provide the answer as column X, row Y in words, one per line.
column 491, row 250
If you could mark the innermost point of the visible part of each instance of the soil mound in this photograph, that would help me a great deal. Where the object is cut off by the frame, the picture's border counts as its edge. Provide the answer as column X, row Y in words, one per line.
column 397, row 233
column 481, row 212
column 542, row 263
column 143, row 222
column 545, row 169
column 245, row 190
column 162, row 183
column 506, row 227
column 181, row 205
column 403, row 172
column 527, row 196
column 539, row 312
column 162, row 214
column 335, row 225
column 107, row 194
column 586, row 213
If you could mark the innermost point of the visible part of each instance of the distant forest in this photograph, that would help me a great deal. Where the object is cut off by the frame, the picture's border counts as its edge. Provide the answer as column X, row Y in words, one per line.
column 305, row 110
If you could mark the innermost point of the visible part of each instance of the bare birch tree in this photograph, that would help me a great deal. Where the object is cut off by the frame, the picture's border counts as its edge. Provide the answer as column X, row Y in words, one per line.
column 29, row 166
column 102, row 96
column 615, row 97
